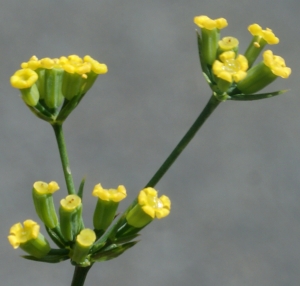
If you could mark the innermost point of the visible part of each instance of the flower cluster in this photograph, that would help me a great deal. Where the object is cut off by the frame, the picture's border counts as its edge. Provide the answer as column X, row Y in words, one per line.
column 232, row 75
column 48, row 84
column 83, row 245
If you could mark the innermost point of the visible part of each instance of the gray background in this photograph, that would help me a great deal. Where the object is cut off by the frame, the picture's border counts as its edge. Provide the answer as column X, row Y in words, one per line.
column 235, row 216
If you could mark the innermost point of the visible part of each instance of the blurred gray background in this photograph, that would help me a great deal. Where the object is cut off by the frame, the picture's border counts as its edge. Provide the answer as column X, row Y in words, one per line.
column 235, row 216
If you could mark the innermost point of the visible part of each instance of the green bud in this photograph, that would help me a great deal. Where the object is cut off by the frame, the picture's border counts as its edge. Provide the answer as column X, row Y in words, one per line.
column 104, row 214
column 73, row 84
column 53, row 87
column 228, row 44
column 30, row 95
column 257, row 78
column 210, row 39
column 83, row 244
column 43, row 202
column 70, row 216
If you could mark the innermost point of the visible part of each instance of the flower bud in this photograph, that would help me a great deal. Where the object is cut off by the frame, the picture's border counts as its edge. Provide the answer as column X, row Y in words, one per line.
column 84, row 242
column 210, row 31
column 53, row 96
column 43, row 202
column 70, row 216
column 24, row 80
column 228, row 44
column 107, row 204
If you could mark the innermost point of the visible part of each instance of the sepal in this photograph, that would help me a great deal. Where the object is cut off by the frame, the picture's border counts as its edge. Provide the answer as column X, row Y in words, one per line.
column 54, row 256
column 112, row 251
column 249, row 97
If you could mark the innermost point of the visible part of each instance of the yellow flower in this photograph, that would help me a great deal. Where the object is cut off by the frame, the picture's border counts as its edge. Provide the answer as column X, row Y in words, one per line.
column 23, row 78
column 33, row 63
column 228, row 43
column 267, row 34
column 19, row 234
column 70, row 203
column 107, row 204
column 149, row 206
column 276, row 64
column 96, row 67
column 83, row 244
column 152, row 205
column 230, row 68
column 29, row 238
column 70, row 217
column 209, row 24
column 210, row 36
column 43, row 202
column 264, row 73
column 44, row 188
column 115, row 195
column 86, row 237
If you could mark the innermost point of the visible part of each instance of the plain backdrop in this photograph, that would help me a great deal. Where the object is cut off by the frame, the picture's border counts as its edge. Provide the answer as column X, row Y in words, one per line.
column 235, row 216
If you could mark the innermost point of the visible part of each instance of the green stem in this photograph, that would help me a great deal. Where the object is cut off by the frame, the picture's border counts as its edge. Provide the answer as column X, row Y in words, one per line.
column 79, row 275
column 206, row 112
column 64, row 157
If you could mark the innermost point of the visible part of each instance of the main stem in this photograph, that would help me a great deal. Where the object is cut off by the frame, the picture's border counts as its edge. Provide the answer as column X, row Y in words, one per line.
column 206, row 112
column 64, row 157
column 79, row 275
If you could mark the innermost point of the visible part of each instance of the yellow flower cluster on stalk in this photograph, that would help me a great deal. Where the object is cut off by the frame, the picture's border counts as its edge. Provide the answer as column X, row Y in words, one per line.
column 232, row 75
column 83, row 245
column 45, row 84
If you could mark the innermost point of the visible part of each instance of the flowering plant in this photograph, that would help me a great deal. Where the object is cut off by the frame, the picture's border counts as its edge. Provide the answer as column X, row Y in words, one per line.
column 52, row 89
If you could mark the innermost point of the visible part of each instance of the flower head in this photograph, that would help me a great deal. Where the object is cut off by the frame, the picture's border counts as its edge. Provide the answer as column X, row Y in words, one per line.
column 70, row 216
column 107, row 204
column 230, row 68
column 210, row 36
column 29, row 238
column 86, row 237
column 149, row 207
column 52, row 81
column 21, row 234
column 83, row 243
column 96, row 67
column 70, row 203
column 115, row 195
column 210, row 24
column 228, row 44
column 260, row 39
column 265, row 72
column 23, row 78
column 266, row 34
column 44, row 188
column 276, row 64
column 154, row 206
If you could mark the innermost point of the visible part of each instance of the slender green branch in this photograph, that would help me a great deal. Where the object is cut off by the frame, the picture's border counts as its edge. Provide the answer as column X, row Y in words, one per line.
column 79, row 275
column 64, row 157
column 206, row 112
